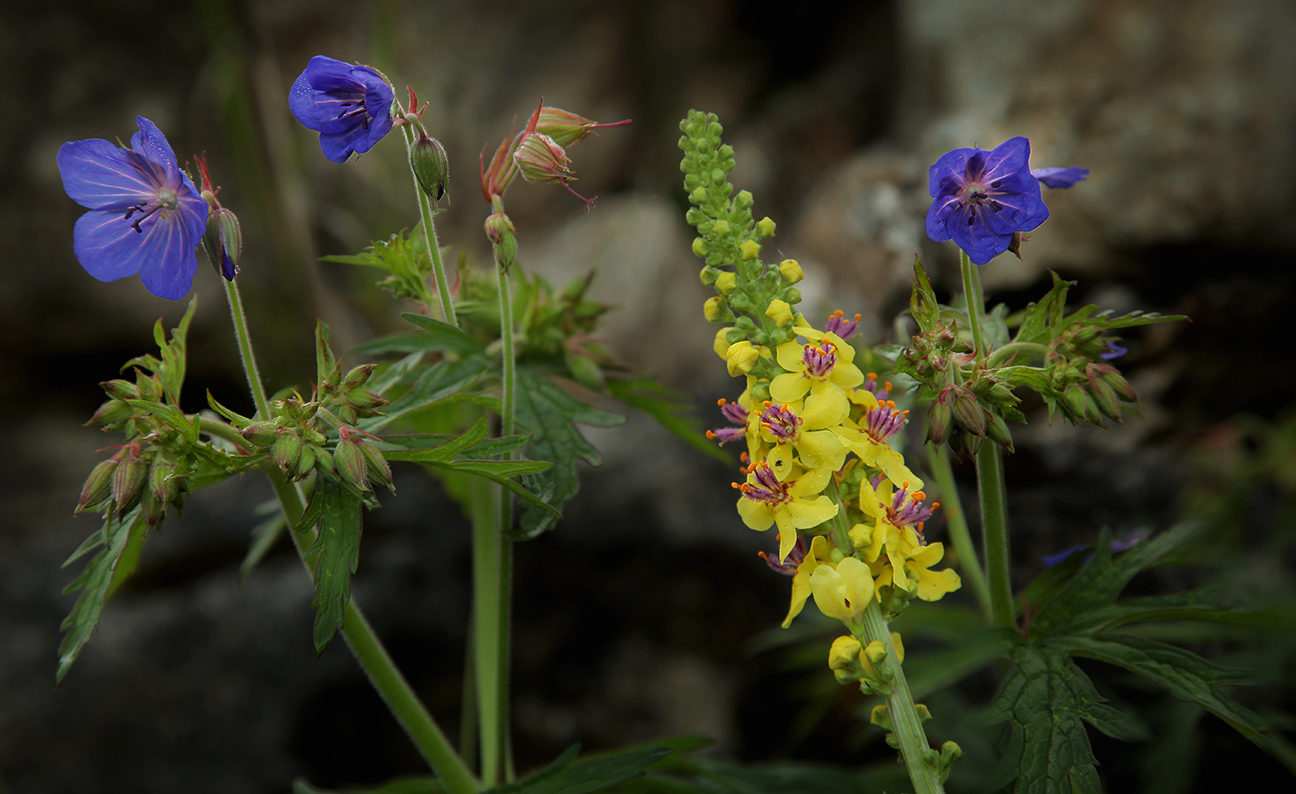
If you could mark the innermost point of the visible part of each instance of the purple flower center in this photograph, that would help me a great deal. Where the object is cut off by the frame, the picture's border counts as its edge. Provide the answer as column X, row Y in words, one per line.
column 794, row 559
column 166, row 200
column 780, row 421
column 767, row 487
column 885, row 421
column 819, row 360
column 735, row 413
column 908, row 509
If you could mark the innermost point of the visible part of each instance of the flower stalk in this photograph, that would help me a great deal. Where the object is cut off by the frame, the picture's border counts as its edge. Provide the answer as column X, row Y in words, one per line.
column 430, row 237
column 377, row 664
column 957, row 526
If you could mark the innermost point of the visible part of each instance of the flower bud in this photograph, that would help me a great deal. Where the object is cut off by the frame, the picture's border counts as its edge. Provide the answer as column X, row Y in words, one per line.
column 780, row 312
column 700, row 248
column 967, row 411
column 128, row 477
column 708, row 274
column 499, row 230
column 566, row 127
column 542, row 160
column 715, row 310
column 720, row 228
column 223, row 241
column 1077, row 402
column 262, row 434
column 791, row 271
column 726, row 282
column 350, row 463
column 765, row 227
column 741, row 357
column 111, row 412
column 120, row 389
column 431, row 166
column 749, row 249
column 358, row 376
column 286, row 449
column 844, row 659
column 997, row 430
column 377, row 466
column 305, row 462
column 163, row 483
column 98, row 486
column 721, row 343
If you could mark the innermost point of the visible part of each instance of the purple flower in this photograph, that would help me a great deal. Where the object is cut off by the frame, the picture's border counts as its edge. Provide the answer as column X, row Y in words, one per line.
column 1060, row 177
column 348, row 104
column 983, row 197
column 1113, row 350
column 146, row 217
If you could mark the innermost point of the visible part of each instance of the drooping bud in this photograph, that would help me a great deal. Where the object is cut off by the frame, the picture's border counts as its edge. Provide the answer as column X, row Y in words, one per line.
column 223, row 241
column 98, row 486
column 566, row 127
column 431, row 165
column 997, row 431
column 350, row 463
column 499, row 230
column 128, row 477
column 967, row 411
column 378, row 468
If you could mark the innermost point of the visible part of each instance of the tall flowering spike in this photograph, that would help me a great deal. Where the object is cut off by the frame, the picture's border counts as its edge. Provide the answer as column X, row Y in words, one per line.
column 146, row 217
column 348, row 104
column 982, row 198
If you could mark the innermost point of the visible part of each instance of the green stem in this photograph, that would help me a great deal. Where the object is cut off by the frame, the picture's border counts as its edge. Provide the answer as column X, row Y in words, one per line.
column 1001, row 356
column 975, row 303
column 430, row 238
column 905, row 723
column 364, row 643
column 956, row 520
column 245, row 349
column 994, row 532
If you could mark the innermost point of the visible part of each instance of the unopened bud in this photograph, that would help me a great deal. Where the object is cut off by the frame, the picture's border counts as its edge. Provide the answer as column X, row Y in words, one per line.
column 542, row 160
column 110, row 412
column 714, row 310
column 98, row 486
column 749, row 249
column 358, row 376
column 967, row 411
column 431, row 166
column 262, row 434
column 708, row 274
column 120, row 389
column 997, row 430
column 765, row 227
column 350, row 463
column 726, row 282
column 305, row 462
column 162, row 481
column 499, row 230
column 286, row 449
column 128, row 478
column 566, row 127
column 939, row 418
column 791, row 271
column 699, row 247
column 223, row 241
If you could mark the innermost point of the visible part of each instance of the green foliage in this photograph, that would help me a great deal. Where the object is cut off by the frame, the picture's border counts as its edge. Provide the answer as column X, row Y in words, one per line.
column 549, row 413
column 1046, row 697
column 403, row 256
column 334, row 513
column 94, row 583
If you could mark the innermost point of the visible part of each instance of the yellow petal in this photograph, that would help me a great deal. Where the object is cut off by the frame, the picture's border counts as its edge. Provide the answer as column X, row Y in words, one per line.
column 934, row 584
column 756, row 515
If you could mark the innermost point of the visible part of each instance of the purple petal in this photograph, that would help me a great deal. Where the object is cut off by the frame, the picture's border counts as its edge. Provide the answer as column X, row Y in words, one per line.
column 1114, row 351
column 951, row 167
column 159, row 158
column 1022, row 212
column 172, row 260
column 106, row 245
column 100, row 176
column 939, row 217
column 1008, row 158
column 1060, row 177
column 980, row 242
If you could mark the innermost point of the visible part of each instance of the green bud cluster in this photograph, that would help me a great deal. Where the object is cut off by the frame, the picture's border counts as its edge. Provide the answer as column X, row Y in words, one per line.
column 728, row 239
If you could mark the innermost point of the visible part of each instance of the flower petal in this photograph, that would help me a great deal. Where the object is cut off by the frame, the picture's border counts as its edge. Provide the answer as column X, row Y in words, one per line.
column 158, row 157
column 100, row 176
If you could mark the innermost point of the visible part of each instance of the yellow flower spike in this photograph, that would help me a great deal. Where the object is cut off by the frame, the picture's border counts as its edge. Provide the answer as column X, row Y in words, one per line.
column 713, row 309
column 741, row 357
column 750, row 249
column 791, row 271
column 765, row 227
column 820, row 554
column 721, row 345
column 844, row 591
column 726, row 282
column 780, row 312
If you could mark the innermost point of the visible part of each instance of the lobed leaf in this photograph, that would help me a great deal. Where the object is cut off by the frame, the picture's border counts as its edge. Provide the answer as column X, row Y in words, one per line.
column 334, row 512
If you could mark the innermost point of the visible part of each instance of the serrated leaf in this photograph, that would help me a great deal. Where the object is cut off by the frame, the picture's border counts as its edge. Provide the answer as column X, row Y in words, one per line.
column 335, row 512
column 922, row 301
column 503, row 472
column 94, row 583
column 1044, row 698
column 670, row 409
column 1186, row 675
column 171, row 368
column 444, row 451
column 564, row 776
column 435, row 384
column 549, row 413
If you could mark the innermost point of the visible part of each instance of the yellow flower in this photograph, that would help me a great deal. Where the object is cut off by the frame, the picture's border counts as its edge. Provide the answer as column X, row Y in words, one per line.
column 824, row 370
column 869, row 438
column 844, row 591
column 797, row 503
column 788, row 431
column 894, row 550
column 820, row 553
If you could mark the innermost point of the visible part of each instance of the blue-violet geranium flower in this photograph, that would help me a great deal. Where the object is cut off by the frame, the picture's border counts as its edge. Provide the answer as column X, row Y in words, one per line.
column 982, row 198
column 348, row 104
column 146, row 217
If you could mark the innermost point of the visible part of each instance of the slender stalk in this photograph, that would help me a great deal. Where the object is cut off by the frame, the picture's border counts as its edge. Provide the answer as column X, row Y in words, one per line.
column 1003, row 354
column 956, row 521
column 487, row 627
column 430, row 237
column 364, row 643
column 990, row 480
column 905, row 723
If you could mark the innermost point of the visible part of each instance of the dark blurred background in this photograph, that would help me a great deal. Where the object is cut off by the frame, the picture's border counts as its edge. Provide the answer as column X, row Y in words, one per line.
column 637, row 616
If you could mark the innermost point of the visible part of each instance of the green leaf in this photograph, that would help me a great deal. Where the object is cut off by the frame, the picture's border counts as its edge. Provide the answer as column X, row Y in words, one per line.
column 445, row 336
column 443, row 451
column 1186, row 675
column 922, row 302
column 503, row 472
column 670, row 408
column 422, row 784
column 171, row 368
column 435, row 384
column 548, row 412
column 334, row 510
column 94, row 583
column 564, row 776
column 1098, row 583
column 1045, row 698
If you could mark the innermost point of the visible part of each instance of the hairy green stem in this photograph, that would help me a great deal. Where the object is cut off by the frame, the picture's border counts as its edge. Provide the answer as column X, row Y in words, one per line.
column 364, row 643
column 905, row 723
column 1001, row 356
column 990, row 480
column 956, row 520
column 430, row 237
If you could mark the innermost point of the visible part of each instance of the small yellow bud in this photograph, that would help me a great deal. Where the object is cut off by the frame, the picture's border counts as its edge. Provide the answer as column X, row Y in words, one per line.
column 721, row 345
column 726, row 282
column 720, row 228
column 699, row 246
column 844, row 653
column 780, row 312
column 875, row 652
column 750, row 249
column 765, row 227
column 791, row 271
column 713, row 309
column 741, row 357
